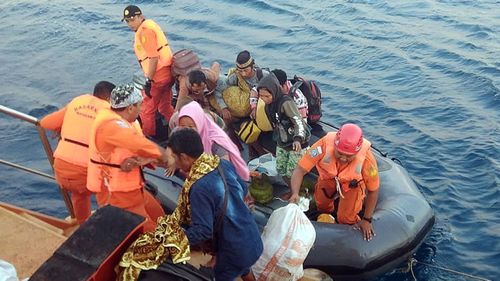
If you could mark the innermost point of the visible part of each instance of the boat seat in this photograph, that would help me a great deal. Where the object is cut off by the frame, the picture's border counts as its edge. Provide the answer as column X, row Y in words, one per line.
column 95, row 248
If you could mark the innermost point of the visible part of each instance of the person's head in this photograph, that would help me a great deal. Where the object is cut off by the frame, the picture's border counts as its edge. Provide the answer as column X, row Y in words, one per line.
column 269, row 89
column 192, row 116
column 348, row 141
column 133, row 16
column 282, row 79
column 185, row 146
column 103, row 90
column 245, row 64
column 126, row 101
column 197, row 81
column 187, row 122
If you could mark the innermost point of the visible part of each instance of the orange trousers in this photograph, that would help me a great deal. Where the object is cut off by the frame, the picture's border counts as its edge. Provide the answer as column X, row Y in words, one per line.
column 348, row 207
column 161, row 101
column 73, row 178
column 139, row 202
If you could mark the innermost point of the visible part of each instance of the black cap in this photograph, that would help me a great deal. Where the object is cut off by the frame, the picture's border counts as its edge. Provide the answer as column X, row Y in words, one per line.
column 244, row 59
column 131, row 11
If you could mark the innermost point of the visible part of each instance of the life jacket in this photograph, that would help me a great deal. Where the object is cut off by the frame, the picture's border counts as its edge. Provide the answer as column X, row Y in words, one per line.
column 74, row 144
column 104, row 167
column 327, row 167
column 163, row 47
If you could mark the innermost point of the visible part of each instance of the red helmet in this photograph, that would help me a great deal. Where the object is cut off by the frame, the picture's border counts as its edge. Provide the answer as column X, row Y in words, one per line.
column 349, row 139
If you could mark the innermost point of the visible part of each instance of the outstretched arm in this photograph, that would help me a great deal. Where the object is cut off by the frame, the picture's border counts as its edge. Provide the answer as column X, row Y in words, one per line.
column 296, row 181
column 54, row 120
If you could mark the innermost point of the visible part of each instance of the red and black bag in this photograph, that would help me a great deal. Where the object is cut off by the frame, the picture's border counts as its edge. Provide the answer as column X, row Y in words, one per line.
column 313, row 95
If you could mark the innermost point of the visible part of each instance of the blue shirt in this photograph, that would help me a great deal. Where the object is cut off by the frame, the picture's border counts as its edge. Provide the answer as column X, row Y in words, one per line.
column 238, row 242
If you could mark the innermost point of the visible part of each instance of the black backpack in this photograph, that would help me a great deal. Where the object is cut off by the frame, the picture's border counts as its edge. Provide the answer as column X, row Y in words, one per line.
column 313, row 95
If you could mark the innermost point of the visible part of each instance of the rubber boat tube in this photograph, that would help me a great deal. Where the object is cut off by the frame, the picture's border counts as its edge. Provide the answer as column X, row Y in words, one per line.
column 402, row 219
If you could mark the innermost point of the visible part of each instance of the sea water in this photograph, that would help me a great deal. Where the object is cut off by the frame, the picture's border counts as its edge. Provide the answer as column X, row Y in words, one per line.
column 421, row 78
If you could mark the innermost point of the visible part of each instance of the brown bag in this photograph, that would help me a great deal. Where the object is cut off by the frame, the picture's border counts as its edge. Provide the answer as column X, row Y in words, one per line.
column 184, row 61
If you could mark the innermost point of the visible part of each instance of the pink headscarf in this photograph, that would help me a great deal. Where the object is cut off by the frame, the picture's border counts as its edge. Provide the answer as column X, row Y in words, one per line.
column 210, row 133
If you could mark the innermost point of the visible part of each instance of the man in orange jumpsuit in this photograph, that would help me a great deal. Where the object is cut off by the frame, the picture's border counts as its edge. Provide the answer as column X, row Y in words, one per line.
column 71, row 155
column 115, row 138
column 155, row 57
column 348, row 171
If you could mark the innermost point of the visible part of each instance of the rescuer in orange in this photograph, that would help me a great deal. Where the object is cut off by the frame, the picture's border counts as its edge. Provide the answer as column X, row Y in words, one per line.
column 116, row 138
column 348, row 171
column 73, row 122
column 155, row 57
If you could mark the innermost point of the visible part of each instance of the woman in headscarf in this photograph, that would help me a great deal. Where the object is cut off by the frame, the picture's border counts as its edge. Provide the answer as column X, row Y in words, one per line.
column 290, row 131
column 215, row 140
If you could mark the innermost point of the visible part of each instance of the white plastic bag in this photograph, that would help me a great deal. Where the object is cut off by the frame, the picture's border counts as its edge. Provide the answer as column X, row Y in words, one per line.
column 7, row 271
column 287, row 237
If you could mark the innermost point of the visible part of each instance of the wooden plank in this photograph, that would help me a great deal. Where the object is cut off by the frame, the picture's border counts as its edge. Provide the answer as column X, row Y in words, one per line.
column 60, row 223
column 25, row 244
column 41, row 223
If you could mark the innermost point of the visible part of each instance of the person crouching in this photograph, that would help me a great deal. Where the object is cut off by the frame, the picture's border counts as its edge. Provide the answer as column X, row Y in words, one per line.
column 218, row 214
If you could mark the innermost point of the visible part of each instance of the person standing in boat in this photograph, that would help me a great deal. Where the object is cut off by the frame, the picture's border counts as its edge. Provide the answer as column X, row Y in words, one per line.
column 290, row 131
column 347, row 170
column 218, row 216
column 73, row 122
column 155, row 57
column 118, row 149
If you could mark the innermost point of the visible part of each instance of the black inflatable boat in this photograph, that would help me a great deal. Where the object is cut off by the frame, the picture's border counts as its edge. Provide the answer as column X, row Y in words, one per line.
column 401, row 221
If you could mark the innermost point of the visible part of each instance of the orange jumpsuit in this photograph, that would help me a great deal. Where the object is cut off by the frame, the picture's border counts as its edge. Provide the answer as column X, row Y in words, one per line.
column 321, row 155
column 150, row 41
column 71, row 156
column 113, row 134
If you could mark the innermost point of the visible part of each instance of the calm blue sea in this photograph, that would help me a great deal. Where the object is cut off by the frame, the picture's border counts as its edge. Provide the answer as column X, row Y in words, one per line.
column 422, row 78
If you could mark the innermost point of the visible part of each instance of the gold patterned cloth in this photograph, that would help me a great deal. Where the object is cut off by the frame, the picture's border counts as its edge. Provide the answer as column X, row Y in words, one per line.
column 151, row 249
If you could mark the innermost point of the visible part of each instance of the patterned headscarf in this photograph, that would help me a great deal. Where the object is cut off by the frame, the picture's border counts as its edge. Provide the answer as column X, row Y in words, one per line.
column 125, row 95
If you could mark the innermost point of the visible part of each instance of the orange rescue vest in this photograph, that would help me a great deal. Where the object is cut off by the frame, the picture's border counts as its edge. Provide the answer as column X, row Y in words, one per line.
column 163, row 48
column 104, row 167
column 74, row 143
column 327, row 167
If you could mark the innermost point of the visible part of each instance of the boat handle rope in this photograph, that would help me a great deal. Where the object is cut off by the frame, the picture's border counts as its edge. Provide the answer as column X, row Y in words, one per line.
column 413, row 261
column 339, row 189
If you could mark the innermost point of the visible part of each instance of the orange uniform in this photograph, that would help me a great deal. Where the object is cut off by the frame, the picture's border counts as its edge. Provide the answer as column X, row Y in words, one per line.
column 151, row 42
column 71, row 155
column 113, row 140
column 353, row 178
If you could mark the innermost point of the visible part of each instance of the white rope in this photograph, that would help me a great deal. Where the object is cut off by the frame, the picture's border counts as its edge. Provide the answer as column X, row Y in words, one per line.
column 413, row 261
column 411, row 269
column 339, row 189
